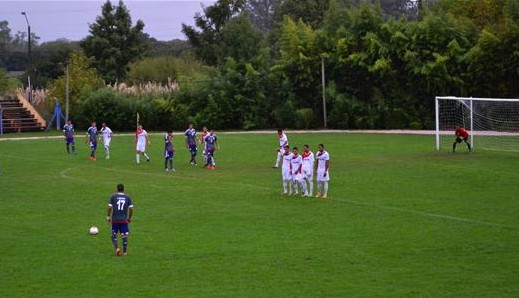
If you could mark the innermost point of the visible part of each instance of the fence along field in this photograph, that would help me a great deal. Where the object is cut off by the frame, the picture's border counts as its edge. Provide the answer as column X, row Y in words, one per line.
column 402, row 220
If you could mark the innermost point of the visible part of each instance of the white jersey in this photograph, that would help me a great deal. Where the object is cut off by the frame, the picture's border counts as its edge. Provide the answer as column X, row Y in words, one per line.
column 285, row 168
column 297, row 164
column 322, row 158
column 106, row 132
column 283, row 140
column 308, row 164
column 142, row 137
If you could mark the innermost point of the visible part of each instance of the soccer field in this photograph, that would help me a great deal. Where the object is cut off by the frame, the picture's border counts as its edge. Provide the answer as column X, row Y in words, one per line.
column 402, row 220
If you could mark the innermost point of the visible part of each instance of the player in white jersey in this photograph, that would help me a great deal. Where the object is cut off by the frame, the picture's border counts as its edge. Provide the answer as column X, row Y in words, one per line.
column 106, row 132
column 308, row 170
column 286, row 171
column 322, row 165
column 205, row 133
column 141, row 140
column 297, row 172
column 283, row 141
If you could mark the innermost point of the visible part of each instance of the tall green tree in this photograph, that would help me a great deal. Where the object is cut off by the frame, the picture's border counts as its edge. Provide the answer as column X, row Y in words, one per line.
column 7, row 84
column 81, row 77
column 297, row 74
column 239, row 40
column 113, row 42
column 13, row 48
column 205, row 37
column 262, row 13
column 49, row 60
column 310, row 12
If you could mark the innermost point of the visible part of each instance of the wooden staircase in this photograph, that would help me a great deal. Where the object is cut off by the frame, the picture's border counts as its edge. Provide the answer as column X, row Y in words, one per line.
column 18, row 115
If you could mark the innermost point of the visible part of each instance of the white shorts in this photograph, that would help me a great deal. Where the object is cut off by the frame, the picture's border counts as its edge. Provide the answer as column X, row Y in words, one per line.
column 308, row 174
column 320, row 176
column 286, row 174
column 297, row 176
column 107, row 142
column 141, row 147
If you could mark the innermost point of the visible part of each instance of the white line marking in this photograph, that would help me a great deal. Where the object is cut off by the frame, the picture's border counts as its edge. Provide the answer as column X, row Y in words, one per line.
column 427, row 214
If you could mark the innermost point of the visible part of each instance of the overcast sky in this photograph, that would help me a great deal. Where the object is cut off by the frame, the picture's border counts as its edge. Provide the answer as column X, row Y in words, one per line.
column 51, row 20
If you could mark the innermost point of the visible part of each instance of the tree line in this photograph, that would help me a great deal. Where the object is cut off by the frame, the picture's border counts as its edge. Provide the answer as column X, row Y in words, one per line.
column 258, row 63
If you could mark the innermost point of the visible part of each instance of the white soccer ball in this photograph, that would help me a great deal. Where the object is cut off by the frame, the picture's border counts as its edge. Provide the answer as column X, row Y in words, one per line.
column 94, row 230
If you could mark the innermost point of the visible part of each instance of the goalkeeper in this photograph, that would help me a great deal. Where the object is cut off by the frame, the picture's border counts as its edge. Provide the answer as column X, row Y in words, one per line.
column 462, row 135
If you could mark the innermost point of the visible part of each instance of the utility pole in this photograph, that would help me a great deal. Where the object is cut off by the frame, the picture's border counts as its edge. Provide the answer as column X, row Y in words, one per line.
column 66, row 92
column 324, row 89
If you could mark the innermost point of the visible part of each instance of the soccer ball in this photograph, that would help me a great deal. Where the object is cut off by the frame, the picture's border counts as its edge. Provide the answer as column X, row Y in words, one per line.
column 94, row 230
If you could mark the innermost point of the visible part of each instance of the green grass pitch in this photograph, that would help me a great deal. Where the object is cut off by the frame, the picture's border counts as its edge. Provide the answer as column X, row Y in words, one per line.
column 401, row 221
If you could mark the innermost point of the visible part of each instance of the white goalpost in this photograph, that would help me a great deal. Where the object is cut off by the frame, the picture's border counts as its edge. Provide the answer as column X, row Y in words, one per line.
column 493, row 123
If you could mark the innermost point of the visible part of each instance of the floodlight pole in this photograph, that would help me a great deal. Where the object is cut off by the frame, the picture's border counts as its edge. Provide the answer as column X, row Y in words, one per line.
column 30, row 56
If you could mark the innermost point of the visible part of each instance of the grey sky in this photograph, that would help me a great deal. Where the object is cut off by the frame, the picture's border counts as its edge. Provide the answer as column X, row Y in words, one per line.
column 56, row 19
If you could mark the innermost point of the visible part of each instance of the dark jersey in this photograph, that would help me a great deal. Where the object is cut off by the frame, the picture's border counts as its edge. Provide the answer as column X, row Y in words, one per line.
column 210, row 142
column 168, row 143
column 190, row 136
column 69, row 131
column 92, row 134
column 120, row 204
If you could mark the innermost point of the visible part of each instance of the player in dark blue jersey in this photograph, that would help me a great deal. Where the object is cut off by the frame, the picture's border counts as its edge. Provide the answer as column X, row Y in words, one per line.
column 211, row 144
column 169, row 151
column 92, row 136
column 68, row 131
column 119, row 214
column 191, row 140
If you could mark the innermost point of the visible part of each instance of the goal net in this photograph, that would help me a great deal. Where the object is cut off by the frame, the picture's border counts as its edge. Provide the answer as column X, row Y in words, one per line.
column 493, row 123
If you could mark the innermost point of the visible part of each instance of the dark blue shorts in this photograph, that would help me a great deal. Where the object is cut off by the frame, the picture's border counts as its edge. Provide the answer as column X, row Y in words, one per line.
column 192, row 148
column 70, row 140
column 168, row 154
column 93, row 145
column 122, row 228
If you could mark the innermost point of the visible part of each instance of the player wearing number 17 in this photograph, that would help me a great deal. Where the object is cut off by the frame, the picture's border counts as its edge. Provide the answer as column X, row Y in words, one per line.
column 119, row 214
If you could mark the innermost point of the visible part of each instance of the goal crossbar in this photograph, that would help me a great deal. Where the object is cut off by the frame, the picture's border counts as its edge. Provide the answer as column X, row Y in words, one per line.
column 477, row 98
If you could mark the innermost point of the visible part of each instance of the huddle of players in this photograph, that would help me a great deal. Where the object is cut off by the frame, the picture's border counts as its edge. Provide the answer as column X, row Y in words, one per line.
column 210, row 142
column 297, row 170
column 92, row 136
